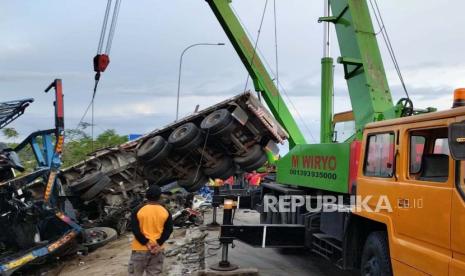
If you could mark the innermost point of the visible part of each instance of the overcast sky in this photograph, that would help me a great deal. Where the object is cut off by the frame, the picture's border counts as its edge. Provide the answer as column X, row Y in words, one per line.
column 43, row 40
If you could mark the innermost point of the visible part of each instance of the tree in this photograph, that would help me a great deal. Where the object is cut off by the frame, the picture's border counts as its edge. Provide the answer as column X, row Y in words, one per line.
column 75, row 134
column 25, row 155
column 78, row 144
column 110, row 138
column 10, row 133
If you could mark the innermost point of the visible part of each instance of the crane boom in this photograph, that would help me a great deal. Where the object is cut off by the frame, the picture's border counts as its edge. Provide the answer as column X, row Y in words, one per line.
column 263, row 83
column 327, row 166
column 364, row 72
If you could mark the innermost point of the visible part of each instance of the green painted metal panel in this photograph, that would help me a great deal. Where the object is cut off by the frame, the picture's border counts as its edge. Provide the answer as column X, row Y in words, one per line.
column 326, row 127
column 263, row 83
column 318, row 166
column 366, row 78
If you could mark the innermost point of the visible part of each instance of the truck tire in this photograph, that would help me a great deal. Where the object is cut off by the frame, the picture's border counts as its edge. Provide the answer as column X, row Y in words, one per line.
column 192, row 180
column 196, row 142
column 98, row 236
column 216, row 121
column 98, row 187
column 197, row 185
column 228, row 173
column 156, row 176
column 375, row 255
column 151, row 147
column 258, row 164
column 160, row 155
column 254, row 154
column 183, row 135
column 221, row 168
column 85, row 182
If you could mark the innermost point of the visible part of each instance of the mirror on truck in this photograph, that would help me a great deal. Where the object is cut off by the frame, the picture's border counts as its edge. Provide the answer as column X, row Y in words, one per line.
column 457, row 140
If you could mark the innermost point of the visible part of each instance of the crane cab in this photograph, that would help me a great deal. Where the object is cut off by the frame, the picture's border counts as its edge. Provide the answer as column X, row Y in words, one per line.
column 408, row 161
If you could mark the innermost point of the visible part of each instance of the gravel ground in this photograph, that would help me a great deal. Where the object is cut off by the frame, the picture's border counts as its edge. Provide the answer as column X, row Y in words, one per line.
column 112, row 259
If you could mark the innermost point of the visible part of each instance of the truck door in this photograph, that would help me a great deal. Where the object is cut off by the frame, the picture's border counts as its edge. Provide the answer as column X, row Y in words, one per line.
column 458, row 224
column 422, row 223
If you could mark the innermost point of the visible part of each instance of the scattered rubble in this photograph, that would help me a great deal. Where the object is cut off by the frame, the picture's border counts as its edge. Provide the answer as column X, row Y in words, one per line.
column 187, row 254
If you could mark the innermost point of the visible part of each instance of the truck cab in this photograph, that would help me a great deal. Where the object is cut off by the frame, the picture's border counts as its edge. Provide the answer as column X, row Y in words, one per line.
column 406, row 165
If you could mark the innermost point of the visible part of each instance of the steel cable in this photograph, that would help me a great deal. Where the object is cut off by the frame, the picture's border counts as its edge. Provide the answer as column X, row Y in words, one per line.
column 387, row 41
column 276, row 49
column 104, row 27
column 256, row 44
column 269, row 68
column 114, row 20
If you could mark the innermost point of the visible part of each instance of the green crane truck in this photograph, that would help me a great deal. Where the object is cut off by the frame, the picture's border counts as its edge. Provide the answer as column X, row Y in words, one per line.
column 392, row 199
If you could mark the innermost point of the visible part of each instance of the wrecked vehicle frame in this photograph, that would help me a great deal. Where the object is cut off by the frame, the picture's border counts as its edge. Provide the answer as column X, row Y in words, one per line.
column 217, row 142
column 223, row 140
column 36, row 218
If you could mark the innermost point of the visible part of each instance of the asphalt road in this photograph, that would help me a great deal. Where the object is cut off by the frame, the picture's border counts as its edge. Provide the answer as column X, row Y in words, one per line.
column 275, row 262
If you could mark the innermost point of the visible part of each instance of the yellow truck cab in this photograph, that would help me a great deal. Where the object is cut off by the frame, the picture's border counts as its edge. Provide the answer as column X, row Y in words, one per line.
column 408, row 161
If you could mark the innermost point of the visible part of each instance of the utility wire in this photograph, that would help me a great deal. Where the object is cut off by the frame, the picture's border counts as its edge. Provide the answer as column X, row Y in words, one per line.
column 387, row 41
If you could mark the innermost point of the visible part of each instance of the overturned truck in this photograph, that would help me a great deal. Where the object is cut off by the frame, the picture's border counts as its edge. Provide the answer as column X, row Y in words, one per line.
column 225, row 139
column 48, row 212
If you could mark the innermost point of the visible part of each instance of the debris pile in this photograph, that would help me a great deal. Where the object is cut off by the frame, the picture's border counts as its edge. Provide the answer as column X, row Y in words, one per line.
column 188, row 253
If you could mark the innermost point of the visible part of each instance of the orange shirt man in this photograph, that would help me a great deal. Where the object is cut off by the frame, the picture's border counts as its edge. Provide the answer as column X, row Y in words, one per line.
column 151, row 225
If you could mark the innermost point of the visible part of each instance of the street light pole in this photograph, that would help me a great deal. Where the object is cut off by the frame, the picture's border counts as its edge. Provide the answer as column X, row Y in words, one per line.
column 180, row 68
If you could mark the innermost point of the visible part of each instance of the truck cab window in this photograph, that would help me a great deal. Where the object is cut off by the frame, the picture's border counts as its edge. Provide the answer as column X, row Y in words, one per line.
column 417, row 145
column 429, row 155
column 379, row 160
column 441, row 146
column 344, row 131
